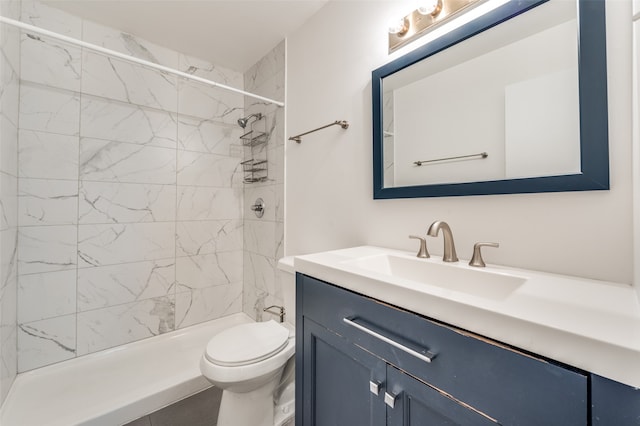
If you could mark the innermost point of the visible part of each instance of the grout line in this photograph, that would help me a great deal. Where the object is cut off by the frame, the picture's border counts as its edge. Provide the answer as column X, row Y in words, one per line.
column 162, row 259
column 175, row 112
column 133, row 223
column 17, row 224
column 175, row 216
column 79, row 168
column 127, row 182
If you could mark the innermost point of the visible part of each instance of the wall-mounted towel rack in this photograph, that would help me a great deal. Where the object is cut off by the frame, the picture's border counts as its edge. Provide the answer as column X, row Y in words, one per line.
column 480, row 155
column 342, row 123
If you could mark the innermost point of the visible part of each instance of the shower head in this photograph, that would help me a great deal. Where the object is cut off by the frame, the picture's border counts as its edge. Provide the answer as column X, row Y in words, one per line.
column 242, row 122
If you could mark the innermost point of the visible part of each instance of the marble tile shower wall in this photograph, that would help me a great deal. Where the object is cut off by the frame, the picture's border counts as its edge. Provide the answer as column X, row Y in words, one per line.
column 9, row 100
column 130, row 193
column 264, row 237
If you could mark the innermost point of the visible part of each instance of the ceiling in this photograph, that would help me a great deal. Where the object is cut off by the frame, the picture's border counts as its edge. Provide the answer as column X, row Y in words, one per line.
column 229, row 33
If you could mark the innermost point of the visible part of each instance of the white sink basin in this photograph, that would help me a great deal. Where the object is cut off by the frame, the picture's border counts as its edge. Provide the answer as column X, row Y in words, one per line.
column 455, row 277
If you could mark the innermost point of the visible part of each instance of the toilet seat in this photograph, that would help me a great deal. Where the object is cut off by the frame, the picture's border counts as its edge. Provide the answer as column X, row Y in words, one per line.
column 247, row 344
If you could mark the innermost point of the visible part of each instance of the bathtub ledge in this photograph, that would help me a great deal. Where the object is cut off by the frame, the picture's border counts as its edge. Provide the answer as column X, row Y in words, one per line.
column 114, row 386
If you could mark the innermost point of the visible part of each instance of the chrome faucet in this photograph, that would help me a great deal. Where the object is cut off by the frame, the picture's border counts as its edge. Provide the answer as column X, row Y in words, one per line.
column 449, row 247
column 280, row 311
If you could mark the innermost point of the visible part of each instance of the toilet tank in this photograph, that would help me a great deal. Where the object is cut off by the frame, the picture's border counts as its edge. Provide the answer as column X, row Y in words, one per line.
column 287, row 278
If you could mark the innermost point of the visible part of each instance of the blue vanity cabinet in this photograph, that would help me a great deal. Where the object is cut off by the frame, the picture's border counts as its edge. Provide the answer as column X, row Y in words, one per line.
column 614, row 403
column 347, row 343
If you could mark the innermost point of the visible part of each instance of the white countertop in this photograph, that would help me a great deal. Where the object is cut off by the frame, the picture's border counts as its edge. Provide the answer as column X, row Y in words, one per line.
column 592, row 325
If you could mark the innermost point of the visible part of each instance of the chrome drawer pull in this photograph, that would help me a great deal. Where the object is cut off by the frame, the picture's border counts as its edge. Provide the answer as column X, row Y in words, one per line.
column 374, row 387
column 390, row 399
column 428, row 357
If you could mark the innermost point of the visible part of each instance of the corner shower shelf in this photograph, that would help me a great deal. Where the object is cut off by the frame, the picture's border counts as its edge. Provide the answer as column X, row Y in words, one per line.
column 254, row 165
column 255, row 168
column 253, row 138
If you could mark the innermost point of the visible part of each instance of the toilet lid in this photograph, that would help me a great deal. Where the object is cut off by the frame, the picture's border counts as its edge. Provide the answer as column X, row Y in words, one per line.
column 247, row 343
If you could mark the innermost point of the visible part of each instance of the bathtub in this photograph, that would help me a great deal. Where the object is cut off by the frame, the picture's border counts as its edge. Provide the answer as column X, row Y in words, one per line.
column 114, row 386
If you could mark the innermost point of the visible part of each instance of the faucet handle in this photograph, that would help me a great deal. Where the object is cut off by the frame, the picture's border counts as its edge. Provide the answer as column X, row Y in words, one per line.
column 476, row 260
column 423, row 252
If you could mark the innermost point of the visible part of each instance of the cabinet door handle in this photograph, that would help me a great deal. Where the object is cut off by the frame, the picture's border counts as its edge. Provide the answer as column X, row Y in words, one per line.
column 390, row 399
column 428, row 357
column 374, row 387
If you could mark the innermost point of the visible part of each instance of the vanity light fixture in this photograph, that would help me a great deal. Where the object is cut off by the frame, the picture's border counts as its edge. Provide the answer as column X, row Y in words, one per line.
column 429, row 15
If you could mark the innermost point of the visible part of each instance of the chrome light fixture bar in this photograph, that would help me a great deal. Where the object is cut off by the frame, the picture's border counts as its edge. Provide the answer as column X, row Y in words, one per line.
column 426, row 18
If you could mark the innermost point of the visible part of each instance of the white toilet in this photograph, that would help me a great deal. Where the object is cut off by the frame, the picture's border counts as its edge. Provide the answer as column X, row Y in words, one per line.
column 247, row 362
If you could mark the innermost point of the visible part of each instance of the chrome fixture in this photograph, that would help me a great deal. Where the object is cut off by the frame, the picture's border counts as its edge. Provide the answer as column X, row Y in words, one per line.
column 280, row 311
column 255, row 166
column 374, row 387
column 242, row 122
column 482, row 155
column 449, row 247
column 390, row 399
column 476, row 259
column 258, row 207
column 342, row 123
column 428, row 16
column 422, row 252
column 424, row 355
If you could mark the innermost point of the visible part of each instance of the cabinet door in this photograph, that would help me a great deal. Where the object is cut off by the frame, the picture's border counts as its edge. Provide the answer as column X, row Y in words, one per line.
column 418, row 404
column 613, row 403
column 338, row 381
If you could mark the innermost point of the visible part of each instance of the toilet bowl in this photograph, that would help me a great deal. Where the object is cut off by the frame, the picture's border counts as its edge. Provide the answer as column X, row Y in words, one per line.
column 246, row 362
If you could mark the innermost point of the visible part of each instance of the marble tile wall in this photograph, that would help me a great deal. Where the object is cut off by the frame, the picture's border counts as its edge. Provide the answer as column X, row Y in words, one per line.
column 264, row 237
column 130, row 195
column 9, row 101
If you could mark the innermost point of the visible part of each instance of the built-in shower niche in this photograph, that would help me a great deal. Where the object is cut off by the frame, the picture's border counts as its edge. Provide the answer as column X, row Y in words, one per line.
column 255, row 165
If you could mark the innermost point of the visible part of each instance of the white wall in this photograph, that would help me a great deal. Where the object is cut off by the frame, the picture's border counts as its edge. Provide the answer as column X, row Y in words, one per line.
column 329, row 200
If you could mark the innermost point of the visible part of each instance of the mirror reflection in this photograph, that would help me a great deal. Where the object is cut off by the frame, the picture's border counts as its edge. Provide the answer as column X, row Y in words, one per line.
column 501, row 105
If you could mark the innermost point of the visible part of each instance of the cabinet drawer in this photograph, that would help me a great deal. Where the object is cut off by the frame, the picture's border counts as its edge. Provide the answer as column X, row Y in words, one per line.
column 500, row 382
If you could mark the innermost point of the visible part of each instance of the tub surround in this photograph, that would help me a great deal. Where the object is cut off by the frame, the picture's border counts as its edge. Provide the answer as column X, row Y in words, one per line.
column 117, row 385
column 130, row 197
column 592, row 325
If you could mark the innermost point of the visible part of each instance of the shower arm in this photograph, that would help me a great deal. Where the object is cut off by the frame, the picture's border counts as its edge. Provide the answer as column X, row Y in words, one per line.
column 342, row 123
column 242, row 122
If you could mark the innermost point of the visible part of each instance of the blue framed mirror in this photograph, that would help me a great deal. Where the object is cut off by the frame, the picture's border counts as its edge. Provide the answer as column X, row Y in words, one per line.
column 512, row 102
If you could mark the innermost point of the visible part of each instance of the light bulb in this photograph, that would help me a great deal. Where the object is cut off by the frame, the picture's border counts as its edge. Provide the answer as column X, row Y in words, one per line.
column 430, row 7
column 399, row 27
